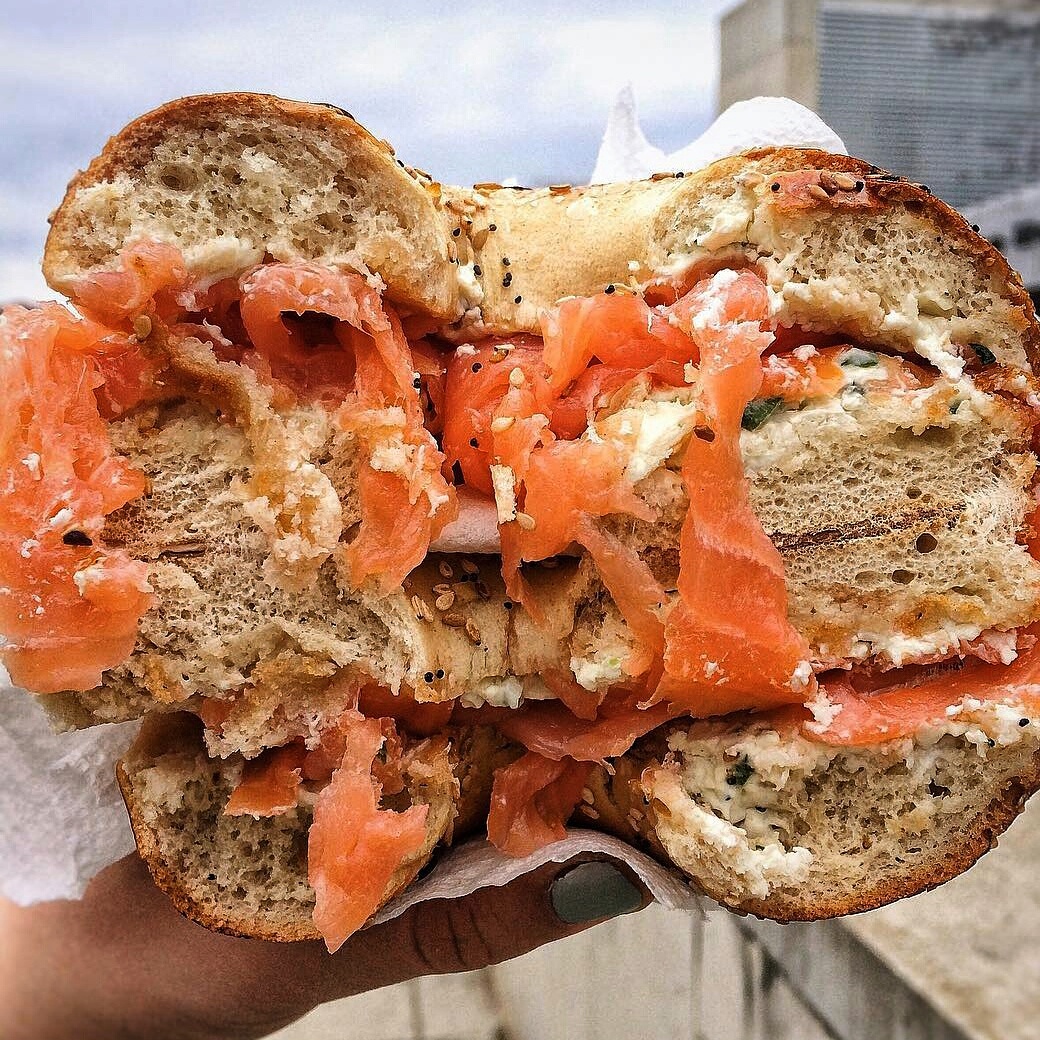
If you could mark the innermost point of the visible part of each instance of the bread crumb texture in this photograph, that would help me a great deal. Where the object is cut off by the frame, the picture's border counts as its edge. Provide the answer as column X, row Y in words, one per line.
column 775, row 823
column 260, row 178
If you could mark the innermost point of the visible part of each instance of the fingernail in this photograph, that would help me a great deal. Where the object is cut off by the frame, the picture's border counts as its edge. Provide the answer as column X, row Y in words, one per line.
column 593, row 891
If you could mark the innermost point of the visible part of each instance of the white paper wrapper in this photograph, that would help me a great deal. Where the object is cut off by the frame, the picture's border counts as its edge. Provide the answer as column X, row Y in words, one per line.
column 61, row 817
column 479, row 865
column 625, row 154
column 475, row 530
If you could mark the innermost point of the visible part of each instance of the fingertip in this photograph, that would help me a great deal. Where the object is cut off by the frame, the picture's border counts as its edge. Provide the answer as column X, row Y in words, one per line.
column 594, row 891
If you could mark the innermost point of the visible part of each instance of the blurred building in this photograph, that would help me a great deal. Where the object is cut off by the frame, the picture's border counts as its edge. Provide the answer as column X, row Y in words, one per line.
column 946, row 93
column 1012, row 223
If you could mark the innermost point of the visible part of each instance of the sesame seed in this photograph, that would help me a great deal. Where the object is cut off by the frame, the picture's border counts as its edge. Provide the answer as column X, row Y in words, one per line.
column 142, row 326
column 525, row 520
column 456, row 232
column 505, row 261
column 502, row 423
column 441, row 588
column 476, row 366
column 477, row 271
column 775, row 186
column 508, row 604
column 77, row 538
column 469, row 567
column 1023, row 722
column 445, row 569
column 440, row 673
column 472, row 631
column 818, row 192
column 428, row 677
column 445, row 601
column 860, row 185
column 516, row 377
column 517, row 299
column 507, row 281
column 492, row 227
column 474, row 443
column 609, row 289
column 454, row 620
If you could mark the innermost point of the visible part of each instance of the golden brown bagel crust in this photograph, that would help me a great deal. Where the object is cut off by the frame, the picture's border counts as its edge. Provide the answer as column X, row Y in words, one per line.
column 562, row 241
column 294, row 181
column 865, row 855
column 559, row 241
column 204, row 861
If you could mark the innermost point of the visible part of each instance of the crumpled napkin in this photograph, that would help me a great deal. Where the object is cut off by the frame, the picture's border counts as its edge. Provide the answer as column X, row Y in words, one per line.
column 625, row 153
column 61, row 816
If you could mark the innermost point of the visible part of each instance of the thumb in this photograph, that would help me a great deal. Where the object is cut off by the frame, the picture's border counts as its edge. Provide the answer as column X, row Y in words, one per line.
column 491, row 925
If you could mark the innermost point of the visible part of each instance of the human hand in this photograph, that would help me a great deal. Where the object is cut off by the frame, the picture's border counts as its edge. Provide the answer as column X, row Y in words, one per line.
column 122, row 964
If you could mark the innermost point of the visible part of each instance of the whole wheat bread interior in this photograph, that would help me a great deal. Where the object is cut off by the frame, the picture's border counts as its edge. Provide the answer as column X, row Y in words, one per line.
column 899, row 500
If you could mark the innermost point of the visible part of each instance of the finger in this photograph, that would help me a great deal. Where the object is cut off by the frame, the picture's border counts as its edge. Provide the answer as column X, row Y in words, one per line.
column 492, row 925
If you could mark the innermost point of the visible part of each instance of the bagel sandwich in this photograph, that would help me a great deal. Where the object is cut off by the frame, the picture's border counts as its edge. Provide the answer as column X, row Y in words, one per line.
column 696, row 509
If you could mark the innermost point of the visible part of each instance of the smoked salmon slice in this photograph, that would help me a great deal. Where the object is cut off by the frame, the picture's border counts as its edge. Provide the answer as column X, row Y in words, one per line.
column 361, row 360
column 553, row 731
column 864, row 717
column 618, row 330
column 728, row 643
column 270, row 783
column 69, row 607
column 355, row 847
column 150, row 278
column 531, row 801
column 477, row 380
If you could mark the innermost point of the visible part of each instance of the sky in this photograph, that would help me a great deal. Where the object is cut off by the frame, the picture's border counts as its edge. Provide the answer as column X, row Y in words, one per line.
column 468, row 91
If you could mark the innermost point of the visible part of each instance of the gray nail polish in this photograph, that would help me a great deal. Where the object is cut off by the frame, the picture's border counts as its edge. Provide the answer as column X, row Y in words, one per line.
column 592, row 891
